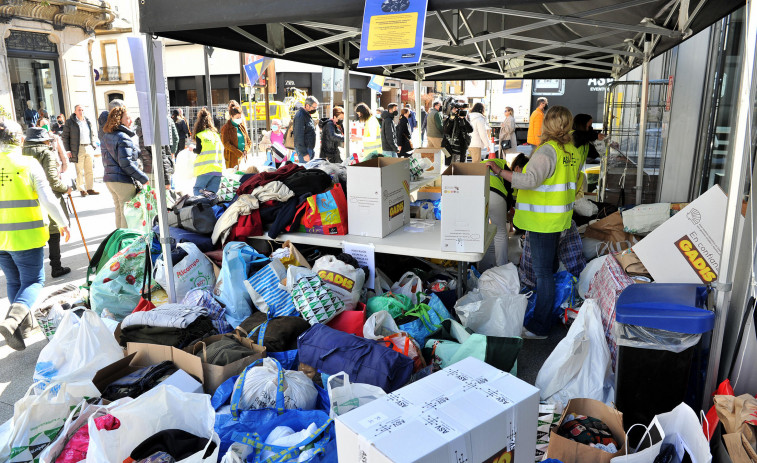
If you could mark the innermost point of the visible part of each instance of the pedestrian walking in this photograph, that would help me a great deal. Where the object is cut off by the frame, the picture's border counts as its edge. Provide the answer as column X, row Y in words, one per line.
column 332, row 136
column 481, row 136
column 79, row 142
column 389, row 131
column 536, row 121
column 234, row 136
column 181, row 127
column 304, row 130
column 436, row 126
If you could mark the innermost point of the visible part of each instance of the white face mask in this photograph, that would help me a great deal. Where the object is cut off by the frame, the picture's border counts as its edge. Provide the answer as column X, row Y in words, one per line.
column 275, row 128
column 238, row 120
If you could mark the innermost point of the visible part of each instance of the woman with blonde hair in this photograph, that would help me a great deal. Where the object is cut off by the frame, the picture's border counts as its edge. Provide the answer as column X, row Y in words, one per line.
column 544, row 207
column 507, row 138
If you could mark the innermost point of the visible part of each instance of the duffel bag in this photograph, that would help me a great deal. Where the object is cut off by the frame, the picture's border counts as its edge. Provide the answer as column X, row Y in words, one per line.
column 198, row 218
column 179, row 235
column 330, row 351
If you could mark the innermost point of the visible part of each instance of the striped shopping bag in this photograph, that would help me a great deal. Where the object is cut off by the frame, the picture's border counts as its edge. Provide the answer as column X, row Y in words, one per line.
column 267, row 293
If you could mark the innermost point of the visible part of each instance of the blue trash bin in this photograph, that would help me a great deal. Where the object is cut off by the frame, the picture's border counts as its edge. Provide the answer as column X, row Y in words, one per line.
column 663, row 335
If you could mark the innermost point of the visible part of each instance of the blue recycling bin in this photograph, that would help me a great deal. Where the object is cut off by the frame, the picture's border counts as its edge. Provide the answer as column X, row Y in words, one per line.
column 663, row 335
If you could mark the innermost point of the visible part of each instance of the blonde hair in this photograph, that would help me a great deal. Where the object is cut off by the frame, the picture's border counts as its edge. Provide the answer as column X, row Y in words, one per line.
column 557, row 125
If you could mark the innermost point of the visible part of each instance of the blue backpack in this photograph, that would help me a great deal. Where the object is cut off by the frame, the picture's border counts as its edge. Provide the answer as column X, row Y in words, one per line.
column 365, row 361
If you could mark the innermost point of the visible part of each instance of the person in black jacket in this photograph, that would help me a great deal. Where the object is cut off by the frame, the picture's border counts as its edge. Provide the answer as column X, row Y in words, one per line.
column 79, row 142
column 583, row 134
column 304, row 130
column 332, row 136
column 389, row 131
column 457, row 136
column 181, row 127
column 403, row 134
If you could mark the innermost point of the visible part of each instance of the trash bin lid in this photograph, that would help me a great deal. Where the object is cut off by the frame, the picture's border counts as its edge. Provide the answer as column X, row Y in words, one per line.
column 674, row 307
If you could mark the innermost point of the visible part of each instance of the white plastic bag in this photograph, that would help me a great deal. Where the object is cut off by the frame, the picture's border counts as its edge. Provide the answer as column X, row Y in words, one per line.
column 681, row 425
column 580, row 364
column 36, row 422
column 79, row 349
column 500, row 280
column 344, row 280
column 345, row 396
column 183, row 177
column 260, row 383
column 379, row 325
column 491, row 315
column 587, row 275
column 409, row 285
column 193, row 271
column 644, row 218
column 585, row 208
column 162, row 408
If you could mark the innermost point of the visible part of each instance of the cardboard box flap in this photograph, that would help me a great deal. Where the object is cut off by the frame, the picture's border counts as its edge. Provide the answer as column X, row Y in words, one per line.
column 381, row 162
column 151, row 354
column 466, row 168
column 112, row 372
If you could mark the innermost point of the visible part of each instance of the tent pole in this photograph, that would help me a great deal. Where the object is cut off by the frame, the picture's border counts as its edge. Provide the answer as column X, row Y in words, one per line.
column 643, row 120
column 157, row 162
column 208, row 91
column 418, row 103
column 347, row 103
column 740, row 152
column 331, row 94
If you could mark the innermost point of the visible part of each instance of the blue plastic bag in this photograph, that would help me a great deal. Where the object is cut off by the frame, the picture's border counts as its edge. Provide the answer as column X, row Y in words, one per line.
column 565, row 285
column 430, row 317
column 238, row 259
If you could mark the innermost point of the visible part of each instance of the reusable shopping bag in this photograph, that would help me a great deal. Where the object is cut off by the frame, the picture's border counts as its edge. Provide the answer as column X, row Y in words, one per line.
column 314, row 300
column 79, row 349
column 345, row 396
column 239, row 259
column 344, row 280
column 117, row 287
column 117, row 240
column 141, row 210
column 37, row 421
column 267, row 293
column 324, row 213
column 409, row 285
column 281, row 336
column 330, row 351
column 258, row 386
column 566, row 286
column 427, row 319
column 159, row 409
column 193, row 271
column 485, row 313
column 395, row 304
column 230, row 182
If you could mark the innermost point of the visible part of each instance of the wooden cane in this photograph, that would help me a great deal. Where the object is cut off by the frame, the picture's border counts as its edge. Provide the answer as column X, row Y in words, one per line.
column 73, row 208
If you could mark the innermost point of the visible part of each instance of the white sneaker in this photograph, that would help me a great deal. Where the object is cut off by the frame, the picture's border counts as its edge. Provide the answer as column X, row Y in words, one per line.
column 525, row 334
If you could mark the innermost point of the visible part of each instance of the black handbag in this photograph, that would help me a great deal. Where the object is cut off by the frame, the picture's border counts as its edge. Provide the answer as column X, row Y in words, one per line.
column 505, row 144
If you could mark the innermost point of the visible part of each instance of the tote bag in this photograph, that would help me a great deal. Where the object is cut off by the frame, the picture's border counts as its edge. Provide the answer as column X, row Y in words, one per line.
column 267, row 293
column 238, row 261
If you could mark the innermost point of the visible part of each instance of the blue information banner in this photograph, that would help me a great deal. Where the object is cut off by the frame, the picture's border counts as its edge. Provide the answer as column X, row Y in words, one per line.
column 392, row 32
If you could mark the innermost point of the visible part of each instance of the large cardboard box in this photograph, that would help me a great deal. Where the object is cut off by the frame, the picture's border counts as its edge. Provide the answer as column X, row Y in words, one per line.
column 139, row 355
column 570, row 451
column 687, row 247
column 215, row 375
column 468, row 412
column 437, row 157
column 465, row 207
column 378, row 196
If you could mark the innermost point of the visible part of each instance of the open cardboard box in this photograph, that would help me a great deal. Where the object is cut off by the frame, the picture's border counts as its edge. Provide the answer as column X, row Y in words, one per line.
column 215, row 375
column 570, row 451
column 465, row 207
column 437, row 157
column 378, row 199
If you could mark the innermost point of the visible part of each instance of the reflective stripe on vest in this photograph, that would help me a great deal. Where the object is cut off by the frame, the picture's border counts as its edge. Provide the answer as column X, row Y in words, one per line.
column 210, row 158
column 549, row 207
column 22, row 224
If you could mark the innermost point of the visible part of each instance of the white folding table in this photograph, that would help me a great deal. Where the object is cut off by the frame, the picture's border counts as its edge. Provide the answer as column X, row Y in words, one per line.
column 421, row 238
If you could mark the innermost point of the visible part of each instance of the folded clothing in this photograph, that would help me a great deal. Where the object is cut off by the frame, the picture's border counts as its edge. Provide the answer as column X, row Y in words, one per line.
column 216, row 312
column 76, row 448
column 280, row 333
column 198, row 330
column 137, row 383
column 165, row 316
column 224, row 351
column 587, row 430
column 175, row 443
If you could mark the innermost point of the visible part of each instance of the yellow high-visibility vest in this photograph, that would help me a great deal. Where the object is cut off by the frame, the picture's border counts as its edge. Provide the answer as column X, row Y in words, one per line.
column 210, row 158
column 22, row 224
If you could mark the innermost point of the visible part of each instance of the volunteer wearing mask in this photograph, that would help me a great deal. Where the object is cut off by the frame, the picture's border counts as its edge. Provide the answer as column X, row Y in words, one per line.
column 544, row 207
column 304, row 130
column 332, row 136
column 24, row 193
column 234, row 136
column 371, row 131
column 209, row 162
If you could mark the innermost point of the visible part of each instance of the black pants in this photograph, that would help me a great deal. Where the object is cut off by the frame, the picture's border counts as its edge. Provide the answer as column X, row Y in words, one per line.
column 54, row 245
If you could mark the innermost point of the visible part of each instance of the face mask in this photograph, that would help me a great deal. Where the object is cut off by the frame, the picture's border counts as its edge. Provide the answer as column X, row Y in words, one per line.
column 394, row 113
column 312, row 111
column 546, row 107
column 275, row 128
column 340, row 122
column 357, row 116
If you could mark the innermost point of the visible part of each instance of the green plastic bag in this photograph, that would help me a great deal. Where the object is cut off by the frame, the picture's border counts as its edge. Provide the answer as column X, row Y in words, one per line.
column 395, row 304
column 141, row 210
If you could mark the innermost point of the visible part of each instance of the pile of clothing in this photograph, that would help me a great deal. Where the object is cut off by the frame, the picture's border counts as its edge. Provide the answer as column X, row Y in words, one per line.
column 174, row 325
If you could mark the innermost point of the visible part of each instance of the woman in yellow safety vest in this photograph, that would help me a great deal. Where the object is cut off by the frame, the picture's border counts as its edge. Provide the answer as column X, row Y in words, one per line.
column 544, row 207
column 209, row 163
column 24, row 192
column 371, row 131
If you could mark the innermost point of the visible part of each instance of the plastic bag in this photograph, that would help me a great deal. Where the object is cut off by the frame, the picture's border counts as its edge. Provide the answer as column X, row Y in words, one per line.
column 141, row 210
column 193, row 271
column 653, row 338
column 379, row 325
column 238, row 259
column 183, row 177
column 587, row 275
column 409, row 285
column 344, row 280
column 500, row 280
column 579, row 366
column 169, row 408
column 345, row 396
column 395, row 304
column 644, row 218
column 37, row 421
column 259, row 382
column 585, row 208
column 500, row 315
column 79, row 349
column 267, row 293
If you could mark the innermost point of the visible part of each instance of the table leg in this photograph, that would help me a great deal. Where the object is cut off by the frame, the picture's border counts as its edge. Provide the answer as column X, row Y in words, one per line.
column 462, row 278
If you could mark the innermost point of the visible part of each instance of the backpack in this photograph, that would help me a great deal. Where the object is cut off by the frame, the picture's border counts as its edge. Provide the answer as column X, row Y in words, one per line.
column 289, row 136
column 117, row 240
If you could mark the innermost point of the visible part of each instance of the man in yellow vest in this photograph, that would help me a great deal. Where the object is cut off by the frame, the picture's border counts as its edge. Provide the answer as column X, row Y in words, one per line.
column 23, row 231
column 544, row 207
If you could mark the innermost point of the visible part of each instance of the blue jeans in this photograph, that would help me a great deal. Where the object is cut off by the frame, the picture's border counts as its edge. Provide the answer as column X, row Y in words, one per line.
column 209, row 182
column 389, row 154
column 545, row 264
column 24, row 275
column 302, row 152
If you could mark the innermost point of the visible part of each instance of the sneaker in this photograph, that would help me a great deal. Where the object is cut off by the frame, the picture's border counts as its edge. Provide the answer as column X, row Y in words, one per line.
column 83, row 193
column 525, row 334
column 93, row 192
column 60, row 271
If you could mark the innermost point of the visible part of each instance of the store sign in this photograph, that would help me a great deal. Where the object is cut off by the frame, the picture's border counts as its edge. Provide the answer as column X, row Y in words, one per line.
column 392, row 32
column 598, row 85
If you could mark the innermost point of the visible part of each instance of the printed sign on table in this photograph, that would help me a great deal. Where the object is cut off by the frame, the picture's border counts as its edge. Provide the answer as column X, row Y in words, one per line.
column 392, row 32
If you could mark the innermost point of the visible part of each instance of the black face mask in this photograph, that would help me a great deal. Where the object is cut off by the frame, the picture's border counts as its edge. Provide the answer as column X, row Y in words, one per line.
column 340, row 122
column 312, row 111
column 358, row 116
column 394, row 113
column 546, row 107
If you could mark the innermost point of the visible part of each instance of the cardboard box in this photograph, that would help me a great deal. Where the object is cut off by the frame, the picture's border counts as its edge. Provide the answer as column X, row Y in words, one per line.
column 468, row 412
column 183, row 382
column 436, row 155
column 140, row 355
column 215, row 375
column 465, row 207
column 687, row 247
column 378, row 197
column 570, row 451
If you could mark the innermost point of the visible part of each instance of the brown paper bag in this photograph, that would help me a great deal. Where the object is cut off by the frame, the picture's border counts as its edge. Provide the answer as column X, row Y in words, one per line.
column 738, row 414
column 610, row 232
column 631, row 264
column 570, row 451
column 295, row 257
column 739, row 449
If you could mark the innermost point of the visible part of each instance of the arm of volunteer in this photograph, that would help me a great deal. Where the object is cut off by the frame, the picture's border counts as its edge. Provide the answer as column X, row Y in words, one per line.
column 539, row 168
column 46, row 197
